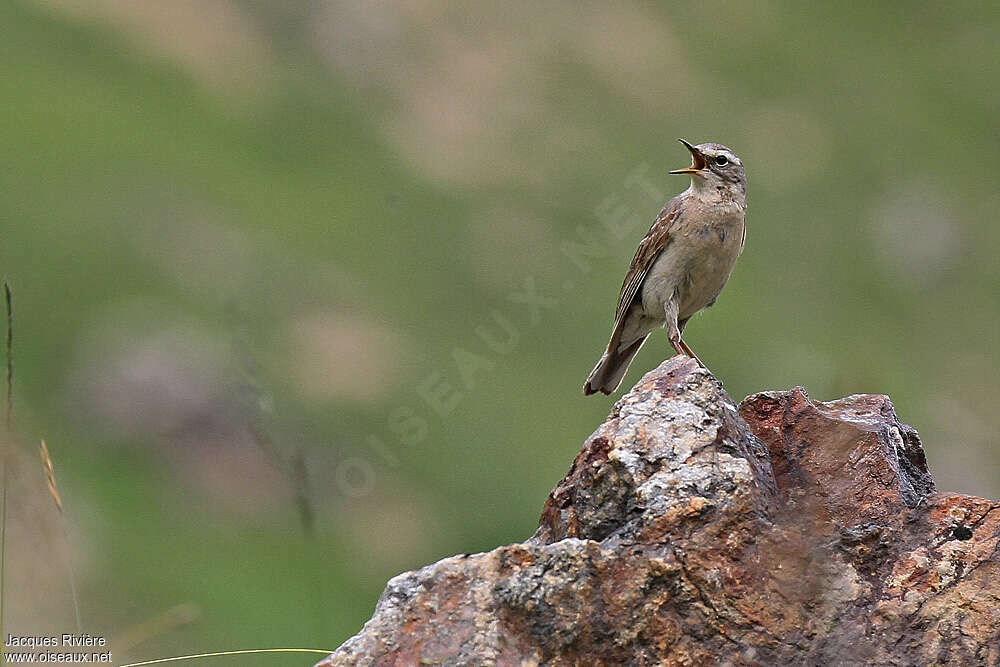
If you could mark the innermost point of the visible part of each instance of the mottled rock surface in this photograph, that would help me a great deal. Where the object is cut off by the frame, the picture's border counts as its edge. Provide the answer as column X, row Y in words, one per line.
column 690, row 531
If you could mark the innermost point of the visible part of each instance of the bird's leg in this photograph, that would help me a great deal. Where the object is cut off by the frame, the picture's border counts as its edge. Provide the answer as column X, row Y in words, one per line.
column 689, row 352
column 673, row 331
column 675, row 340
column 687, row 348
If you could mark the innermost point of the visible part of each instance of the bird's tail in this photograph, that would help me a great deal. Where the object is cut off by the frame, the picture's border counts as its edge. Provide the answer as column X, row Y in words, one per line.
column 610, row 370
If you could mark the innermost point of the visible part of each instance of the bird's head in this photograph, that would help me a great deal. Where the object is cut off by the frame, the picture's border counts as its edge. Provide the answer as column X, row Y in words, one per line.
column 714, row 165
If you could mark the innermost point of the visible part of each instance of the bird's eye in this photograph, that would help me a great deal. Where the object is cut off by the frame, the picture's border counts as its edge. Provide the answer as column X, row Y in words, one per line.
column 721, row 160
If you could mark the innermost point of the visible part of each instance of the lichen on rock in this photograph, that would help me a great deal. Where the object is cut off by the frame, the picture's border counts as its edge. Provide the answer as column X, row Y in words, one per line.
column 691, row 531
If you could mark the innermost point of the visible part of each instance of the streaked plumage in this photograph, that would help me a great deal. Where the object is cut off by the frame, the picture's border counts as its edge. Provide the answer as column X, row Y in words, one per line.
column 682, row 263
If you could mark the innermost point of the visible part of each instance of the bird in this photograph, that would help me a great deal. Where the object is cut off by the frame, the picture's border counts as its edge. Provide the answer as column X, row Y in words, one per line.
column 682, row 263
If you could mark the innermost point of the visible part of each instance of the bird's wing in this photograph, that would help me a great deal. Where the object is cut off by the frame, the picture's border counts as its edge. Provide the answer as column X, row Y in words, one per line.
column 649, row 249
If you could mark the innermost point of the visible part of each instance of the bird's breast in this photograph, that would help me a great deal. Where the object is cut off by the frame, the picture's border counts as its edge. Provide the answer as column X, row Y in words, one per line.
column 695, row 265
column 719, row 244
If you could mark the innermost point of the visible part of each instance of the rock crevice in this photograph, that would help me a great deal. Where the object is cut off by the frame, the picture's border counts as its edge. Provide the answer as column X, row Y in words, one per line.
column 690, row 530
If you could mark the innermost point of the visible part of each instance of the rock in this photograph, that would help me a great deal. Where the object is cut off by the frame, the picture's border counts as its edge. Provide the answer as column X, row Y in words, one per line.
column 692, row 532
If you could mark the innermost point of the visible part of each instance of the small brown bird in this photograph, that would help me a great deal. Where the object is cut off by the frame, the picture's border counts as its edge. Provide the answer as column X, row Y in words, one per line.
column 682, row 264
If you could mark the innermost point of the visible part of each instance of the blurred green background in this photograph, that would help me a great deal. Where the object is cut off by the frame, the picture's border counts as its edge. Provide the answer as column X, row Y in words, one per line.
column 273, row 263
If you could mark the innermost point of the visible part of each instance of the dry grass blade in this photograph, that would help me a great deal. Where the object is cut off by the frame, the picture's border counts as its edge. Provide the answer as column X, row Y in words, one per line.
column 216, row 654
column 8, row 300
column 50, row 476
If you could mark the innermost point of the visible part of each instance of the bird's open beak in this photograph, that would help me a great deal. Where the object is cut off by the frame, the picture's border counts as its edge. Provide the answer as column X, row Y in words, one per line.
column 697, row 160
